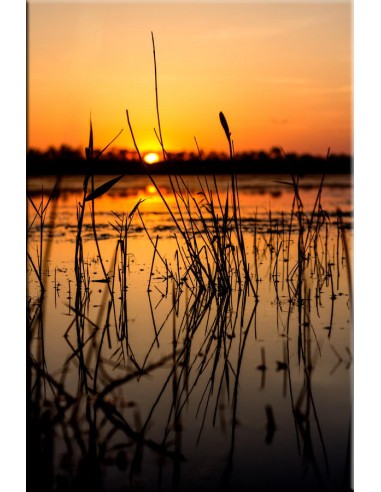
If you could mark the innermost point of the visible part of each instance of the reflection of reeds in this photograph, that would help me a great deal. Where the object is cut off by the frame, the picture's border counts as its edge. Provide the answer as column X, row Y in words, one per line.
column 270, row 426
column 347, row 256
column 209, row 329
column 39, row 265
column 223, row 316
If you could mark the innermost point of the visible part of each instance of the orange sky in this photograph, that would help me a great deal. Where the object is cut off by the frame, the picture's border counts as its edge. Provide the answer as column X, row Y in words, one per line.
column 281, row 73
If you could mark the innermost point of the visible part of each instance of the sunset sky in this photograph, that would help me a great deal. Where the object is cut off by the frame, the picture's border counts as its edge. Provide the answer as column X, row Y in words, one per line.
column 281, row 73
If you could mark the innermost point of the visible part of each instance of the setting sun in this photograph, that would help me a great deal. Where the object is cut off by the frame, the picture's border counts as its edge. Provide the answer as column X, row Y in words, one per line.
column 188, row 214
column 150, row 189
column 283, row 72
column 151, row 158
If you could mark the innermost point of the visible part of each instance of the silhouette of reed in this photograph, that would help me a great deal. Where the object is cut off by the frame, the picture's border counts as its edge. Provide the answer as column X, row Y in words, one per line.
column 203, row 307
column 209, row 336
column 39, row 264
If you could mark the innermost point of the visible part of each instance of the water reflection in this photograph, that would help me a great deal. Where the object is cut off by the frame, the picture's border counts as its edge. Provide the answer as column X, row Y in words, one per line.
column 142, row 374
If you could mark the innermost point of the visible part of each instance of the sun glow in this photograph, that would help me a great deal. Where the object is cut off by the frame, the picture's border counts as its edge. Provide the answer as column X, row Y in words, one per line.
column 297, row 94
column 151, row 158
column 151, row 190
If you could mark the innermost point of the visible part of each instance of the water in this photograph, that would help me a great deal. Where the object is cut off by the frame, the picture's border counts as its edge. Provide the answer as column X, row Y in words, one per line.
column 160, row 385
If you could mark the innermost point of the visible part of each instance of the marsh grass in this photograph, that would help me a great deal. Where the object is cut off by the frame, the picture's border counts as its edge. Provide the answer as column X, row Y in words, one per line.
column 210, row 295
column 212, row 314
column 39, row 264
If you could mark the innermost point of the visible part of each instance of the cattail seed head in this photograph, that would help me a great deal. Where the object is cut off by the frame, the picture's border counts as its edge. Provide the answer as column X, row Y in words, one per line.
column 225, row 125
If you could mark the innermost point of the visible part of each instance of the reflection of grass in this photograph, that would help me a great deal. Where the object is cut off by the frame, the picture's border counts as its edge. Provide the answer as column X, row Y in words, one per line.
column 208, row 337
column 40, row 264
column 220, row 277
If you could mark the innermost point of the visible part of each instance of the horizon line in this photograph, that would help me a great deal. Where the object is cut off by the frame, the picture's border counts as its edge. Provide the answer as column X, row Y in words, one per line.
column 275, row 150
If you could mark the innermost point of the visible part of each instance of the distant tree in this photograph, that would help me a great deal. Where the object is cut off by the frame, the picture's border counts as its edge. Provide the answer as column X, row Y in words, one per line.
column 66, row 152
column 275, row 153
column 51, row 153
column 34, row 153
column 122, row 155
column 262, row 155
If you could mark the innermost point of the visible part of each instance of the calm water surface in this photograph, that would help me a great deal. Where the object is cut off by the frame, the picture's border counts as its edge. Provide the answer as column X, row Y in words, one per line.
column 149, row 382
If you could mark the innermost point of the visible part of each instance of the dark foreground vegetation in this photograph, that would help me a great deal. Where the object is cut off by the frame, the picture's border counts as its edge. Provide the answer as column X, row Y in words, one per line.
column 81, row 433
column 67, row 161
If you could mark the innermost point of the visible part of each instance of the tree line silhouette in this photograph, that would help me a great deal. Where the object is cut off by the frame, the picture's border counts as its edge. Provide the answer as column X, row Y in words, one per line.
column 68, row 161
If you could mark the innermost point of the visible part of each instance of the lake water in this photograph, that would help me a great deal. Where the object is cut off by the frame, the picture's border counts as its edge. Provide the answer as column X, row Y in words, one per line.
column 157, row 380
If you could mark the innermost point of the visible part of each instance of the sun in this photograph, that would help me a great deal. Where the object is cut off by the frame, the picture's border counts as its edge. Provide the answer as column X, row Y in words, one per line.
column 151, row 190
column 151, row 158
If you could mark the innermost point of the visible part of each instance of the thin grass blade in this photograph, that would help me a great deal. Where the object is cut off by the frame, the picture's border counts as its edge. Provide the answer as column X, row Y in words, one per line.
column 90, row 148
